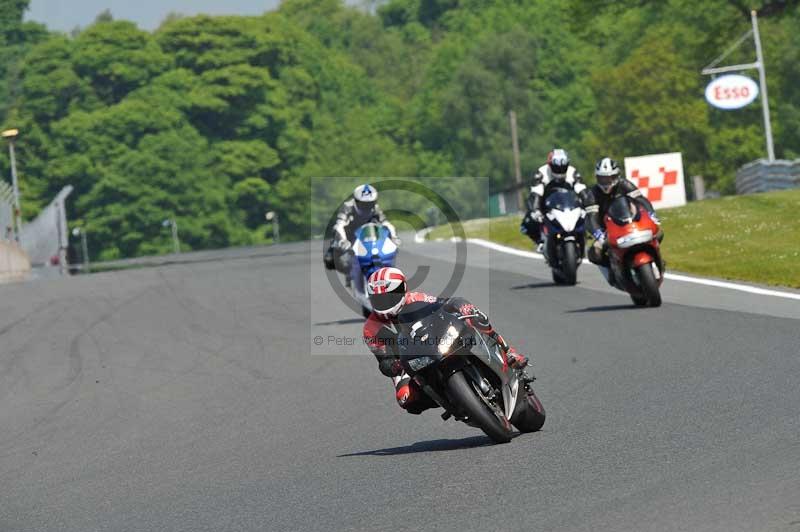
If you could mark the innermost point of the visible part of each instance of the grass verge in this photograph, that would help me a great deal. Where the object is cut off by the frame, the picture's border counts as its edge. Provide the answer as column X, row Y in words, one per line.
column 753, row 238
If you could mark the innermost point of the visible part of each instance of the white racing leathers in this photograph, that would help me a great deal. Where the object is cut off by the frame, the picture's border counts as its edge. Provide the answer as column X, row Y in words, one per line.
column 348, row 219
column 543, row 181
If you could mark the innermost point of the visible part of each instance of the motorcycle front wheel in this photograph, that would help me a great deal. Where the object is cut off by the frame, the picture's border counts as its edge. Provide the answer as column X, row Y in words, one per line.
column 649, row 285
column 569, row 263
column 529, row 413
column 465, row 396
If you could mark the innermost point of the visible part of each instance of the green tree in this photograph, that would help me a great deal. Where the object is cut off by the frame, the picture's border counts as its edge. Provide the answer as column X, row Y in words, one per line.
column 653, row 107
column 116, row 58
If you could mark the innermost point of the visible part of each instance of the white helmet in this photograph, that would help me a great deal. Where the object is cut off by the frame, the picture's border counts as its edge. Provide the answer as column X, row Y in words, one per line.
column 387, row 291
column 607, row 173
column 365, row 197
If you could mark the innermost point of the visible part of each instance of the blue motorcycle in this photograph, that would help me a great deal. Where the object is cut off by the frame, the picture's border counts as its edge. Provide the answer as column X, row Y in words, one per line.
column 373, row 249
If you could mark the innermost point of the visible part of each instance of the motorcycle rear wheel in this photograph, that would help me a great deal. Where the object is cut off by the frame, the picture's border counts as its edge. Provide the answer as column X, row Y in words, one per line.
column 464, row 396
column 649, row 284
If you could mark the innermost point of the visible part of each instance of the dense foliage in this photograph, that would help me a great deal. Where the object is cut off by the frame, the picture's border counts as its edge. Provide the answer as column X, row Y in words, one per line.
column 213, row 121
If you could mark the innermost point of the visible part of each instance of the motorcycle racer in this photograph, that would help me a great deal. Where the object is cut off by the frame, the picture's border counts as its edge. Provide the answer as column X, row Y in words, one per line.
column 395, row 306
column 610, row 185
column 556, row 173
column 355, row 212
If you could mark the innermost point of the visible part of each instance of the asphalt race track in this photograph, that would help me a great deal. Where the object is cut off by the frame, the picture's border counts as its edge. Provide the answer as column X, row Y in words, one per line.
column 190, row 397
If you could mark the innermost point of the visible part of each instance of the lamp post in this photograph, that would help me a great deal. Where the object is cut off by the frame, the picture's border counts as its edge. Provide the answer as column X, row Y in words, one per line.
column 176, row 243
column 84, row 248
column 272, row 216
column 11, row 135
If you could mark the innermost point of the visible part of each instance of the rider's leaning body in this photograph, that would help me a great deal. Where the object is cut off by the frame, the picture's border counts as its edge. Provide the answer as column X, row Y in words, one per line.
column 610, row 186
column 395, row 307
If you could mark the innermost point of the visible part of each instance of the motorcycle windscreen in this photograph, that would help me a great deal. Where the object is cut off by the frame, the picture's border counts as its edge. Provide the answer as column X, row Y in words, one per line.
column 562, row 200
column 623, row 211
column 369, row 233
column 436, row 335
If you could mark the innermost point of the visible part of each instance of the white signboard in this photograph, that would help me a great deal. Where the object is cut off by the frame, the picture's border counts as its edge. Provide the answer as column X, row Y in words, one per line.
column 659, row 177
column 731, row 92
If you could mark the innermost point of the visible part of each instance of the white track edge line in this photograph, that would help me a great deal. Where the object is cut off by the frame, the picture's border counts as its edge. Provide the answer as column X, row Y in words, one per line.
column 672, row 276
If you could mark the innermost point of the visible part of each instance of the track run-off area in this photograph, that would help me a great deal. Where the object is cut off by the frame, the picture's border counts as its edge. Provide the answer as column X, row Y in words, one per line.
column 191, row 397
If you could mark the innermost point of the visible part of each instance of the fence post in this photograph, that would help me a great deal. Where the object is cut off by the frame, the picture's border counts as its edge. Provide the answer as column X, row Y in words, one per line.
column 699, row 187
column 512, row 116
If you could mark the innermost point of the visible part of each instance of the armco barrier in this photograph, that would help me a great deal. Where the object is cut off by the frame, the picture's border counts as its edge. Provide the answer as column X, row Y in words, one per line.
column 14, row 263
column 45, row 238
column 763, row 176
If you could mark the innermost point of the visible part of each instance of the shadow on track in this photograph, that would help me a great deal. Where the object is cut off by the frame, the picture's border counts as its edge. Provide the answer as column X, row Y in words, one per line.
column 534, row 285
column 342, row 322
column 428, row 446
column 605, row 308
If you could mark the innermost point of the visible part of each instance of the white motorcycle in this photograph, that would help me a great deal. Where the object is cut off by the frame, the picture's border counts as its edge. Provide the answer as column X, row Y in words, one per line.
column 563, row 234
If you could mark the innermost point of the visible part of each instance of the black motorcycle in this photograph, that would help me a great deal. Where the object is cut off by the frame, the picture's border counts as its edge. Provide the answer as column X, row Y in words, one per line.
column 465, row 372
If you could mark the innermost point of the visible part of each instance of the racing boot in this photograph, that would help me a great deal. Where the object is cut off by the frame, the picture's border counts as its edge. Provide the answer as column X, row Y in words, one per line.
column 327, row 259
column 516, row 360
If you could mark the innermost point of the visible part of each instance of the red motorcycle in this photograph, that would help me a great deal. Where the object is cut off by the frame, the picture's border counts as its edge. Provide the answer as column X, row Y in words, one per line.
column 633, row 252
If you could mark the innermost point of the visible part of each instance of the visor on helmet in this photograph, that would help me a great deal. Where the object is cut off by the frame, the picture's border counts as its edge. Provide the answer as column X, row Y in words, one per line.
column 607, row 182
column 559, row 169
column 387, row 301
column 364, row 206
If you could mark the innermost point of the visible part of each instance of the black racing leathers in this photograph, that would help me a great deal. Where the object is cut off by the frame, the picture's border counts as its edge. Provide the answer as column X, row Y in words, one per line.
column 596, row 206
column 597, row 202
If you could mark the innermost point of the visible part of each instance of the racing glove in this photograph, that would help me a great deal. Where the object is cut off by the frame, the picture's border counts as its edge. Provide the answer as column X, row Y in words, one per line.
column 390, row 366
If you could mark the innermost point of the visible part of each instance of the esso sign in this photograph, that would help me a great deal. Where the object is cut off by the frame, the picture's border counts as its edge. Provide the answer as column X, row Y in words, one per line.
column 731, row 92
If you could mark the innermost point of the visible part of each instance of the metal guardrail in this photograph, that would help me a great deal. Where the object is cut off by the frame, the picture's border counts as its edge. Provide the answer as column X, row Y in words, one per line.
column 45, row 238
column 762, row 176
